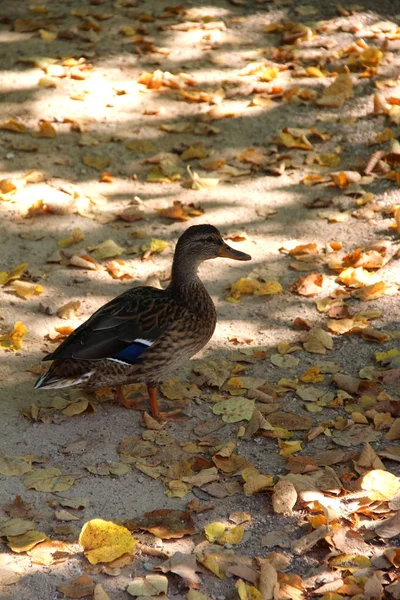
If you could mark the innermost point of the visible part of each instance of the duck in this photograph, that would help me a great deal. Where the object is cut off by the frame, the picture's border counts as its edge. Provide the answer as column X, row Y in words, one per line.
column 144, row 333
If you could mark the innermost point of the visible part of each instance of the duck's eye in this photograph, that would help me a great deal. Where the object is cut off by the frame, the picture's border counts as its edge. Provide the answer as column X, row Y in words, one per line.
column 210, row 239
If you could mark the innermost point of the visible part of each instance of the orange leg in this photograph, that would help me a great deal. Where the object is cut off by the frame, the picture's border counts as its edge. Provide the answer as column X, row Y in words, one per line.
column 127, row 402
column 164, row 416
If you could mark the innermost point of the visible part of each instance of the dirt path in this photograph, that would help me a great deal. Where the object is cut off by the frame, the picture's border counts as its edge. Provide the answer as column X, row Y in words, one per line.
column 105, row 106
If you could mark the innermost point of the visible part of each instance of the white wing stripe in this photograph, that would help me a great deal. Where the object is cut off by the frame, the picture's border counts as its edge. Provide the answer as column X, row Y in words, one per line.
column 145, row 342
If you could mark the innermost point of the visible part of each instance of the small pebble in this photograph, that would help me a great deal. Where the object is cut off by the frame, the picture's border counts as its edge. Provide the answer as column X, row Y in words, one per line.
column 140, row 479
column 10, row 155
column 148, row 566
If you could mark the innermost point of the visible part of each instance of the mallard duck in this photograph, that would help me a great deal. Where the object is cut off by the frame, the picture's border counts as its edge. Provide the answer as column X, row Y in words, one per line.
column 144, row 332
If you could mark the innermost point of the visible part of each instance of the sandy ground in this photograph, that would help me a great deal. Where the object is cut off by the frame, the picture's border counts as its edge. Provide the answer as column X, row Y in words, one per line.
column 110, row 106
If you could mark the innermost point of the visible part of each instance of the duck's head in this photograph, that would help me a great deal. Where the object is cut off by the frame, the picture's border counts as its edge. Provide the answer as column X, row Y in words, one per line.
column 203, row 242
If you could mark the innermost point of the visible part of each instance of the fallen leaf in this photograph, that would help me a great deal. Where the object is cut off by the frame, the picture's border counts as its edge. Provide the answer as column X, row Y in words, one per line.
column 48, row 480
column 78, row 588
column 164, row 523
column 13, row 339
column 151, row 585
column 104, row 541
column 26, row 289
column 235, row 409
column 100, row 163
column 107, row 249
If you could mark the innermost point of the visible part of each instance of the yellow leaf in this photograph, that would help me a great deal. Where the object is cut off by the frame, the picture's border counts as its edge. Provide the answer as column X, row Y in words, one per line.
column 380, row 485
column 202, row 183
column 13, row 125
column 314, row 72
column 386, row 135
column 48, row 480
column 13, row 339
column 76, row 236
column 260, row 100
column 97, row 162
column 107, row 249
column 371, row 57
column 47, row 36
column 26, row 541
column 26, row 289
column 141, row 146
column 158, row 245
column 327, row 159
column 195, row 151
column 288, row 448
column 244, row 285
column 104, row 541
column 224, row 534
column 269, row 74
column 255, row 481
column 12, row 466
column 382, row 356
column 128, row 30
column 235, row 409
column 338, row 92
column 289, row 140
column 247, row 592
column 14, row 274
column 312, row 376
column 269, row 288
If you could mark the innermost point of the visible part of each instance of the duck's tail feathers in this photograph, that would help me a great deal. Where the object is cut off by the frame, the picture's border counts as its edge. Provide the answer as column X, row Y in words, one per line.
column 50, row 381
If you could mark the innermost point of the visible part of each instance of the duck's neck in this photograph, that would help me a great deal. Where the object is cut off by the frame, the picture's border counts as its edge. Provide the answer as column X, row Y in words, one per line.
column 184, row 272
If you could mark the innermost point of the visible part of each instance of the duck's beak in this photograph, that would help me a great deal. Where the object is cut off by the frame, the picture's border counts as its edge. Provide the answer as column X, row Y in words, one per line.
column 228, row 252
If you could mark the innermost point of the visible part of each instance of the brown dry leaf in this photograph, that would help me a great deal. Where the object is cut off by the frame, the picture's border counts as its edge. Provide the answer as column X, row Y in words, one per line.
column 84, row 262
column 14, row 126
column 185, row 566
column 268, row 584
column 318, row 341
column 78, row 588
column 60, row 333
column 151, row 585
column 46, row 130
column 176, row 212
column 8, row 576
column 100, row 163
column 255, row 156
column 338, row 92
column 284, row 497
column 164, row 523
column 119, row 269
column 255, row 481
column 309, row 285
column 49, row 552
column 291, row 138
column 69, row 311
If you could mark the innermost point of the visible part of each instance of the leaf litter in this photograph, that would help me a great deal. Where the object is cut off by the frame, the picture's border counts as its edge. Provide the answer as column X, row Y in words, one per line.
column 333, row 428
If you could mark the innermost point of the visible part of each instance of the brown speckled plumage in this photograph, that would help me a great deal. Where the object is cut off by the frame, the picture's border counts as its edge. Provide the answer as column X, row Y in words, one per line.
column 170, row 325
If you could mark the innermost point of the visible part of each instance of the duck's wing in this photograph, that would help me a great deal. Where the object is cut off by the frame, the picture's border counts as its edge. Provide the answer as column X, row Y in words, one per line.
column 122, row 329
